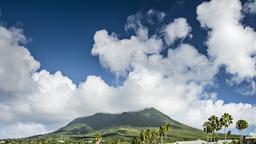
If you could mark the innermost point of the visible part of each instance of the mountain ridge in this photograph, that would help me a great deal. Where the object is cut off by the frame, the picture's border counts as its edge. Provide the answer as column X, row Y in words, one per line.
column 148, row 117
column 125, row 124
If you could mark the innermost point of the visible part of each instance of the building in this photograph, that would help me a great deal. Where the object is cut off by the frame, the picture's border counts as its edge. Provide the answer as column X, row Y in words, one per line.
column 201, row 142
column 250, row 140
column 191, row 142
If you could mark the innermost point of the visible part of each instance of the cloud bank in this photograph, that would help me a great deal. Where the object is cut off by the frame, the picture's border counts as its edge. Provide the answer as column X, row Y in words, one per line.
column 34, row 101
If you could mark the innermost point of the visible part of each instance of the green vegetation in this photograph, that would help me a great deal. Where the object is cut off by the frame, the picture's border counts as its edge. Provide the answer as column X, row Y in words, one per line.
column 149, row 126
column 152, row 136
column 214, row 124
column 241, row 125
column 126, row 126
column 226, row 120
column 97, row 138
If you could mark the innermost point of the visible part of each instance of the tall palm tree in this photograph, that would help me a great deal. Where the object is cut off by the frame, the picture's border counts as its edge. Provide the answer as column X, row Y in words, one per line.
column 241, row 125
column 162, row 132
column 216, row 126
column 168, row 127
column 226, row 120
column 219, row 127
column 155, row 135
column 97, row 138
column 164, row 128
column 143, row 136
column 136, row 140
column 148, row 136
column 208, row 130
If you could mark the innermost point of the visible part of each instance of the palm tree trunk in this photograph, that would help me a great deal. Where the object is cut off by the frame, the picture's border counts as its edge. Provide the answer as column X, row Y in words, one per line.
column 210, row 140
column 241, row 137
column 207, row 135
column 213, row 136
column 217, row 137
column 162, row 139
column 225, row 134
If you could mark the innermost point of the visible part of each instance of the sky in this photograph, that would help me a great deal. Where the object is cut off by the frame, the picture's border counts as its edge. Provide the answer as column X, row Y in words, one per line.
column 62, row 60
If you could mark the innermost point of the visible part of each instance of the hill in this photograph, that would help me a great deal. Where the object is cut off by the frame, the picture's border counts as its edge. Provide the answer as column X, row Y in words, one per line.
column 122, row 127
column 126, row 124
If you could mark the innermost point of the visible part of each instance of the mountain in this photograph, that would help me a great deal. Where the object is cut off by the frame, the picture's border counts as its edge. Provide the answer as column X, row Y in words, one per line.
column 127, row 124
column 146, row 118
column 122, row 127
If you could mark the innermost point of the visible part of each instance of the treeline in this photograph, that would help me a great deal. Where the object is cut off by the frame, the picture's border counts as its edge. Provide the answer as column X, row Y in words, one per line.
column 215, row 124
column 152, row 136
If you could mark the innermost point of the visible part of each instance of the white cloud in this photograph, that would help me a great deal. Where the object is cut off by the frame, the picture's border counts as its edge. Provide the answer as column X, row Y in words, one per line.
column 174, row 84
column 22, row 130
column 134, row 23
column 55, row 94
column 119, row 55
column 230, row 43
column 250, row 6
column 16, row 63
column 179, row 29
column 154, row 16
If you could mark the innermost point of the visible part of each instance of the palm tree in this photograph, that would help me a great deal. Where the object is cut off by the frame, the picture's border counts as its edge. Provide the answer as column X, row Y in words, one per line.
column 155, row 135
column 164, row 128
column 226, row 120
column 208, row 130
column 143, row 136
column 152, row 136
column 148, row 136
column 216, row 126
column 168, row 127
column 213, row 122
column 241, row 125
column 97, row 138
column 136, row 140
column 162, row 131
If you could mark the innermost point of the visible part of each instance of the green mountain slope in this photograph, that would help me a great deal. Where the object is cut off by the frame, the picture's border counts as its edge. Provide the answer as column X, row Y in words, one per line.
column 127, row 124
column 122, row 127
column 146, row 118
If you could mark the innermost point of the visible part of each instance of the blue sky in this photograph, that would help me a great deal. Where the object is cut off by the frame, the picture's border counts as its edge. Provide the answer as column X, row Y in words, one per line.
column 61, row 36
column 62, row 33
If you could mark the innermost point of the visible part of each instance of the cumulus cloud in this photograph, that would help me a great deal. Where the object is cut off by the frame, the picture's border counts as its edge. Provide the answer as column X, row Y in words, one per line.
column 22, row 130
column 250, row 7
column 230, row 43
column 119, row 55
column 137, row 22
column 154, row 16
column 15, row 72
column 179, row 29
column 175, row 84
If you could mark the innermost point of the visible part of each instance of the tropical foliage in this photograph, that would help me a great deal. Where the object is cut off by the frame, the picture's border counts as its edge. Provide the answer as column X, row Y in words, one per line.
column 214, row 124
column 142, row 131
column 97, row 138
column 226, row 120
column 152, row 136
column 241, row 125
